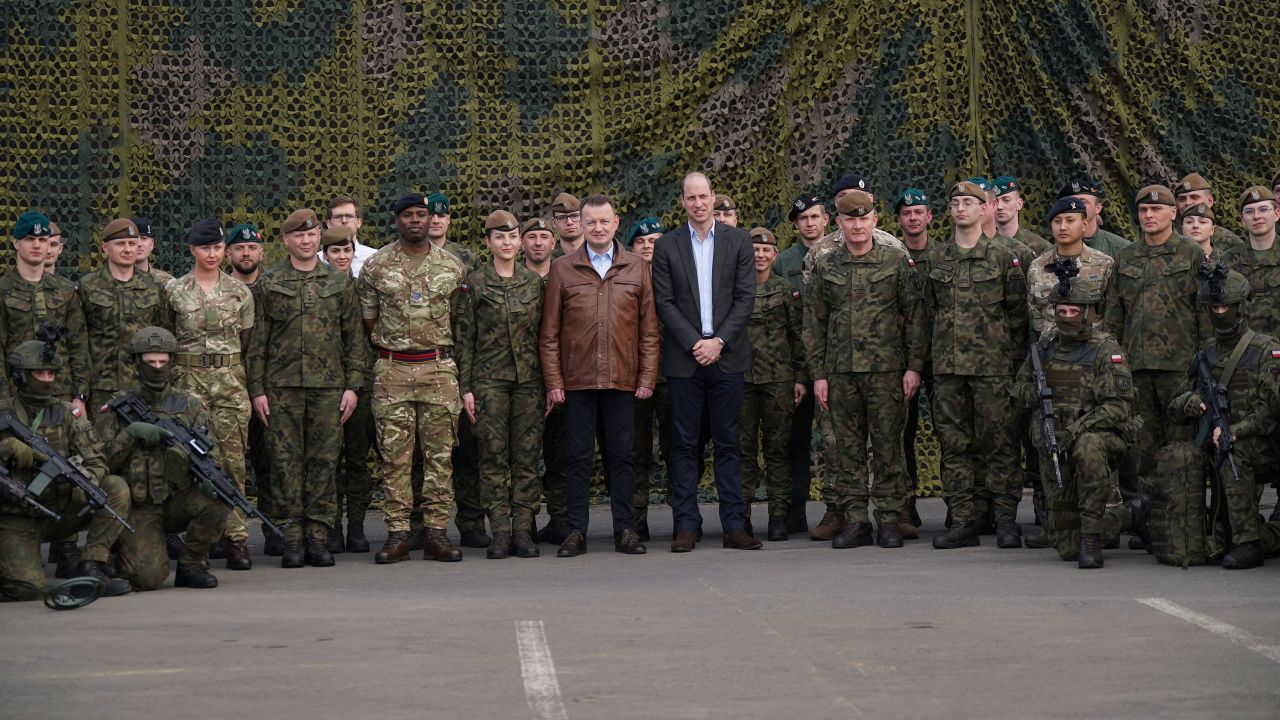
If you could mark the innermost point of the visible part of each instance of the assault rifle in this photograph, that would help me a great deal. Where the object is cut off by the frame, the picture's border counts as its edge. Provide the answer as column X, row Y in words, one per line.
column 20, row 494
column 204, row 469
column 1216, row 414
column 1047, row 416
column 57, row 467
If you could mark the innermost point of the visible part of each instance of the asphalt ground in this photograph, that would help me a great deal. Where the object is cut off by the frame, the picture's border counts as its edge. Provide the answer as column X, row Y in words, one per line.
column 796, row 630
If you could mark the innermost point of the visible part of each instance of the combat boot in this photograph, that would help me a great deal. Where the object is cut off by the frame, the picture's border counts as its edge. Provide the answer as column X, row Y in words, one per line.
column 417, row 538
column 555, row 532
column 500, row 548
column 439, row 548
column 356, row 541
column 1244, row 556
column 395, row 549
column 1008, row 535
column 778, row 528
column 853, row 535
column 66, row 559
column 1039, row 540
column 333, row 539
column 292, row 556
column 1090, row 557
column 471, row 538
column 115, row 587
column 1140, row 517
column 219, row 549
column 797, row 523
column 273, row 544
column 523, row 545
column 907, row 527
column 174, row 545
column 831, row 525
column 890, row 536
column 238, row 556
column 194, row 576
column 961, row 534
column 317, row 552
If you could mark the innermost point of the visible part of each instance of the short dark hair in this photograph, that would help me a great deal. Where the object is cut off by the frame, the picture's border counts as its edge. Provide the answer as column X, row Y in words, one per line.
column 344, row 200
column 601, row 200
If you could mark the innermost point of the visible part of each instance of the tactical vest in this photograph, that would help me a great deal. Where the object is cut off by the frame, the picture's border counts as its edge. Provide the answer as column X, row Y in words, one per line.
column 156, row 474
column 1242, row 386
column 54, row 425
column 1071, row 374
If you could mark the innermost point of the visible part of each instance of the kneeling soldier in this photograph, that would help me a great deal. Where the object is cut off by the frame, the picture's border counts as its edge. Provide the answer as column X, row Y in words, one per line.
column 165, row 500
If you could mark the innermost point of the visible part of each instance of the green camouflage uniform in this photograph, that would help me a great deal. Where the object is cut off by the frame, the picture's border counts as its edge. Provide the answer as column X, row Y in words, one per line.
column 864, row 324
column 1096, row 270
column 161, row 276
column 1151, row 311
column 165, row 500
column 918, row 260
column 835, row 241
column 409, row 298
column 113, row 312
column 22, row 530
column 1107, row 242
column 1225, row 241
column 307, row 348
column 1038, row 245
column 1262, row 269
column 768, row 393
column 207, row 365
column 1094, row 403
column 497, row 323
column 978, row 307
column 28, row 305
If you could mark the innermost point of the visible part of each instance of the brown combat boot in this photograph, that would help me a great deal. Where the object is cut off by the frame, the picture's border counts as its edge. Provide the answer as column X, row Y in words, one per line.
column 238, row 556
column 906, row 528
column 439, row 548
column 395, row 549
column 831, row 525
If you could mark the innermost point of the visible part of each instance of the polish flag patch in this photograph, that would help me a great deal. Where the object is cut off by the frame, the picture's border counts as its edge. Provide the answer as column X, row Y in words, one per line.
column 1016, row 263
column 1275, row 354
column 1117, row 358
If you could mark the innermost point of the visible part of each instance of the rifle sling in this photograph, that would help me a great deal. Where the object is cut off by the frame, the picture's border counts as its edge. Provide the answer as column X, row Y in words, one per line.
column 1234, row 360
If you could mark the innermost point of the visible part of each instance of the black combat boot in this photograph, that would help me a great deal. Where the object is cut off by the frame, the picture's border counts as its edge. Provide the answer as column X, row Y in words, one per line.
column 853, row 535
column 291, row 557
column 1244, row 556
column 1008, row 535
column 1090, row 552
column 960, row 535
column 317, row 552
column 273, row 544
column 1140, row 517
column 500, row 548
column 777, row 528
column 219, row 549
column 115, row 587
column 523, row 545
column 66, row 559
column 194, row 576
column 356, row 541
column 173, row 543
column 475, row 539
column 890, row 536
column 333, row 540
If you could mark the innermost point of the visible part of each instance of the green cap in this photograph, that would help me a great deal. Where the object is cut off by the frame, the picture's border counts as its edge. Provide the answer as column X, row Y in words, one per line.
column 437, row 203
column 243, row 233
column 1006, row 184
column 910, row 198
column 32, row 224
column 645, row 226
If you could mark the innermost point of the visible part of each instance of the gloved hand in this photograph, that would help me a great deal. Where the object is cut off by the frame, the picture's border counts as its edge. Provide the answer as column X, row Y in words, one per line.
column 17, row 454
column 147, row 434
column 206, row 487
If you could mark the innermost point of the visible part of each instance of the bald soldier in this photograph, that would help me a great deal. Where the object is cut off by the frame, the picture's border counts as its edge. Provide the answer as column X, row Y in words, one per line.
column 1194, row 190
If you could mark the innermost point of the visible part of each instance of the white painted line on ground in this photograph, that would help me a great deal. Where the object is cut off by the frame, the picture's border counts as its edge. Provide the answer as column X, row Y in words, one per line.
column 1217, row 627
column 541, row 688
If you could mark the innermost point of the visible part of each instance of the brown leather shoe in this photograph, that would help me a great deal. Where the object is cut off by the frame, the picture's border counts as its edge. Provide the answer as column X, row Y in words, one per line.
column 573, row 546
column 740, row 540
column 395, row 549
column 831, row 525
column 685, row 541
column 628, row 541
column 439, row 548
column 906, row 528
column 238, row 556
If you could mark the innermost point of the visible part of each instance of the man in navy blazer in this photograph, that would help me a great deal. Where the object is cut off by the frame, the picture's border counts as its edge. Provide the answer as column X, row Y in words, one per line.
column 704, row 286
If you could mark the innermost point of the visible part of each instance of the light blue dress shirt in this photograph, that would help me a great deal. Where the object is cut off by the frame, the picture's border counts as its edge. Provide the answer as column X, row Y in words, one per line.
column 601, row 263
column 704, row 252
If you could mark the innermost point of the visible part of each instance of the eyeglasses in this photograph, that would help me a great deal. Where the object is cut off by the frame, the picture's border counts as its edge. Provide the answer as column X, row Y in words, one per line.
column 565, row 217
column 346, row 217
column 1256, row 211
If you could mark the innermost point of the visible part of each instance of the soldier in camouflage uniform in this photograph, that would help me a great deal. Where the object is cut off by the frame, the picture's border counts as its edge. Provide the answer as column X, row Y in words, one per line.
column 56, row 246
column 724, row 210
column 1247, row 362
column 306, row 363
column 1094, row 402
column 1067, row 220
column 1008, row 206
column 913, row 214
column 146, row 245
column 865, row 336
column 407, row 290
column 118, row 301
column 641, row 241
column 976, row 296
column 165, row 498
column 990, row 227
column 1151, row 311
column 1097, row 238
column 1259, row 258
column 1194, row 190
column 33, row 369
column 834, row 240
column 566, row 214
column 499, row 313
column 32, row 298
column 772, row 388
column 1197, row 223
column 212, row 315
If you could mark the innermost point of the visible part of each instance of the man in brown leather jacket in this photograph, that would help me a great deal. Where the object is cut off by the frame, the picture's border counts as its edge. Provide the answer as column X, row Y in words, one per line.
column 599, row 346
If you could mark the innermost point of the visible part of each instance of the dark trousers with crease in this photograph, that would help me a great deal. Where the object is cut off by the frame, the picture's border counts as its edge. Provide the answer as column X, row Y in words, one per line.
column 721, row 394
column 614, row 412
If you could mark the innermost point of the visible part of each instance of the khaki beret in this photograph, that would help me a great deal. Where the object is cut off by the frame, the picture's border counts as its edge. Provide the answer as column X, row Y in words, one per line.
column 337, row 235
column 855, row 203
column 501, row 220
column 763, row 236
column 303, row 219
column 965, row 188
column 536, row 224
column 1275, row 180
column 1192, row 183
column 54, row 229
column 566, row 203
column 1155, row 195
column 117, row 229
column 724, row 202
column 1199, row 210
column 1257, row 193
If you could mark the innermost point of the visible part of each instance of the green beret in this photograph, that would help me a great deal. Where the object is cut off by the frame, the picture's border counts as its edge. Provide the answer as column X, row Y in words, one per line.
column 438, row 203
column 243, row 233
column 981, row 182
column 910, row 198
column 646, row 226
column 32, row 224
column 1006, row 184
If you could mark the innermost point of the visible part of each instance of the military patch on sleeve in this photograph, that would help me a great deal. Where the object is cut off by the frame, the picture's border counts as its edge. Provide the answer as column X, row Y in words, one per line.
column 464, row 288
column 1125, row 384
column 1117, row 358
column 1016, row 263
column 795, row 295
column 1275, row 354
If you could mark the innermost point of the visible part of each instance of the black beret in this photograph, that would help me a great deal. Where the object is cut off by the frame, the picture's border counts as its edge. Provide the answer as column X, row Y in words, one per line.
column 143, row 224
column 408, row 201
column 205, row 232
column 802, row 203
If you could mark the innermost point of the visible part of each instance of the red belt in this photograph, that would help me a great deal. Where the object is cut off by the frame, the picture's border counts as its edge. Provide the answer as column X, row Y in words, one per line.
column 415, row 356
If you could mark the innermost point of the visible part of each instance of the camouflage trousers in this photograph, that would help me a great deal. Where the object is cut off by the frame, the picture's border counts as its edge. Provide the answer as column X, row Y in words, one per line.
column 555, row 461
column 764, row 425
column 416, row 402
column 974, row 419
column 20, row 535
column 353, row 482
column 143, row 558
column 867, row 407
column 1156, row 389
column 304, row 439
column 1080, row 506
column 1254, row 456
column 223, row 390
column 464, row 477
column 508, row 431
column 259, row 463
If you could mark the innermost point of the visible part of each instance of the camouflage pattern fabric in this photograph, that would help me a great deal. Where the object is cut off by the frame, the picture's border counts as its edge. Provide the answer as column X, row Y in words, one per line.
column 1095, row 273
column 978, row 305
column 27, row 306
column 1262, row 268
column 1038, row 245
column 1107, row 242
column 868, row 406
column 1225, row 241
column 1151, row 309
column 113, row 312
column 834, row 240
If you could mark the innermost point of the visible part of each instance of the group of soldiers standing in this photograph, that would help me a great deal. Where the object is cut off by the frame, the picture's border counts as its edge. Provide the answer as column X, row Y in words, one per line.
column 428, row 357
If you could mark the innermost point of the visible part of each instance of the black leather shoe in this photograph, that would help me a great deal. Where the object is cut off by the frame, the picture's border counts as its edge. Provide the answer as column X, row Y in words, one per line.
column 853, row 535
column 628, row 542
column 500, row 548
column 1090, row 557
column 740, row 540
column 1008, row 535
column 1244, row 556
column 889, row 535
column 777, row 528
column 573, row 546
column 960, row 535
column 194, row 576
column 292, row 556
column 476, row 539
column 523, row 546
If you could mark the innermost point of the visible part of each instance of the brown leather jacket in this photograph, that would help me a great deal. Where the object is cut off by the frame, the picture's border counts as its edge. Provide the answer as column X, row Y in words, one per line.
column 599, row 334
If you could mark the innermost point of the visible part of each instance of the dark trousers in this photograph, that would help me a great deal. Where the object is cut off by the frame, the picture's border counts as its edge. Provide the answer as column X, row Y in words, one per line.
column 615, row 412
column 721, row 394
column 798, row 453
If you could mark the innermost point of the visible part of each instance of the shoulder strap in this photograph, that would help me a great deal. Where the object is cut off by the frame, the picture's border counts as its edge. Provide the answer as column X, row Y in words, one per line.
column 1236, row 354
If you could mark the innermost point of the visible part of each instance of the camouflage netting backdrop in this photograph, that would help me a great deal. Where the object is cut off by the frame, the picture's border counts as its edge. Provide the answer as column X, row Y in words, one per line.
column 246, row 110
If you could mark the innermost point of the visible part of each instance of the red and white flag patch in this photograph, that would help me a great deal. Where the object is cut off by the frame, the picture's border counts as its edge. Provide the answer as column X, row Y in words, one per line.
column 1117, row 358
column 1275, row 354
